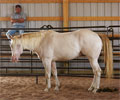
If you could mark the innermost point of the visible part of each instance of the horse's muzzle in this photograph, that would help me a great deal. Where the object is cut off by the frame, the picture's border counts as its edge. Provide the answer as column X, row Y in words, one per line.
column 14, row 59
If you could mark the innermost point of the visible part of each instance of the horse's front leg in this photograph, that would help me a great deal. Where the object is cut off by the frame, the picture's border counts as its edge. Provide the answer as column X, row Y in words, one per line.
column 47, row 65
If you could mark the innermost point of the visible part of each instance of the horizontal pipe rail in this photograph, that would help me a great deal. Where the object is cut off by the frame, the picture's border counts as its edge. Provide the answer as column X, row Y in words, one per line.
column 33, row 58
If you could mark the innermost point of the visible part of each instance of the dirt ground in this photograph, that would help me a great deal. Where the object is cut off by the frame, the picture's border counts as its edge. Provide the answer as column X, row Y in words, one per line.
column 72, row 88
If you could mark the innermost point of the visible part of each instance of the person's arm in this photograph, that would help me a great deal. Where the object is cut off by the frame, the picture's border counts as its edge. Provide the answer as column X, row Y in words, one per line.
column 13, row 21
column 21, row 20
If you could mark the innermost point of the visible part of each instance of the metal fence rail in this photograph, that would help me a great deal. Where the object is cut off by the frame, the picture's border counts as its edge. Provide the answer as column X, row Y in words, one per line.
column 66, row 70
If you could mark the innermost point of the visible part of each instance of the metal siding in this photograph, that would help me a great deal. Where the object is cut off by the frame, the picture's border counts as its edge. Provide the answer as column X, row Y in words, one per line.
column 3, row 14
column 55, row 9
column 31, row 14
column 45, row 10
column 94, row 7
column 114, row 9
column 108, row 9
column 73, row 23
column 72, row 9
column 26, row 11
column 108, row 12
column 10, row 10
column 59, row 9
column 80, row 9
column 72, row 12
column 87, row 9
column 52, row 12
column 0, row 16
column 58, row 13
column 119, row 27
column 101, row 12
column 87, row 12
column 76, row 9
column 80, row 12
column 101, row 9
column 52, row 9
column 38, row 11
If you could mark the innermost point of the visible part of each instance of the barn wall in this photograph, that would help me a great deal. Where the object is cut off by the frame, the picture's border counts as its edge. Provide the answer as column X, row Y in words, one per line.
column 94, row 9
column 55, row 9
column 33, row 10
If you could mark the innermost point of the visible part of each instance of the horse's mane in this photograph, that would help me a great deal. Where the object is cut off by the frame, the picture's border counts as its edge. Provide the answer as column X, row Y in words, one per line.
column 33, row 34
column 27, row 35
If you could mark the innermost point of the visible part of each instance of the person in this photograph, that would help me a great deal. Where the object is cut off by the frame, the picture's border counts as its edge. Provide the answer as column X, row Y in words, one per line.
column 17, row 20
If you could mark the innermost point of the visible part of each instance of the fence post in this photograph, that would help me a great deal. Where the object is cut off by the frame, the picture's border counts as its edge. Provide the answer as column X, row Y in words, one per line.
column 31, row 62
column 65, row 13
column 0, row 51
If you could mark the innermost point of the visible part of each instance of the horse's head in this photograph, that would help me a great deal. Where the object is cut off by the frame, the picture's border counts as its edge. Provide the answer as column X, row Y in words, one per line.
column 16, row 47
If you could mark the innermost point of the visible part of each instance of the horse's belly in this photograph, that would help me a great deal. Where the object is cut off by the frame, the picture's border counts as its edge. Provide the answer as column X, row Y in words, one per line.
column 64, row 58
column 62, row 55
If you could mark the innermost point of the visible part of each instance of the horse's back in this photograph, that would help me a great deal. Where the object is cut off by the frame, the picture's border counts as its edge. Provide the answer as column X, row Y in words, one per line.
column 66, row 46
column 86, row 41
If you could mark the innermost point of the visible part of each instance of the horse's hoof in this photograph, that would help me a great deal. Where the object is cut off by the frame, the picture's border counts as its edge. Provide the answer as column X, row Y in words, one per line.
column 56, row 88
column 46, row 89
column 95, row 90
column 91, row 89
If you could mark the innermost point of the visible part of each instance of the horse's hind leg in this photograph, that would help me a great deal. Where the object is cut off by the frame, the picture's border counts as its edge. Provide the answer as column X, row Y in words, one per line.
column 97, row 73
column 47, row 64
column 54, row 72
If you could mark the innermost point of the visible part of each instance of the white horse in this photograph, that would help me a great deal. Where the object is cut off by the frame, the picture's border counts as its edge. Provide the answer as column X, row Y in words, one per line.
column 51, row 46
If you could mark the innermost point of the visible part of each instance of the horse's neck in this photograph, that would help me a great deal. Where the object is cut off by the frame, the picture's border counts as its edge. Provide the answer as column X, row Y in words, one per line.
column 30, row 43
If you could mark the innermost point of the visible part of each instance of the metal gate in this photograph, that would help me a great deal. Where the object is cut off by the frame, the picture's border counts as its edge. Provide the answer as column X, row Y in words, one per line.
column 30, row 65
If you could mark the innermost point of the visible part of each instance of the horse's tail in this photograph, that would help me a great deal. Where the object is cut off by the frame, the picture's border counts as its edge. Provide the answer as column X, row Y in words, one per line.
column 108, row 55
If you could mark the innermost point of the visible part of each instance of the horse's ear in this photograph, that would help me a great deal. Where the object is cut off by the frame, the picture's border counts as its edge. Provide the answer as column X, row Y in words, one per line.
column 10, row 36
column 20, row 36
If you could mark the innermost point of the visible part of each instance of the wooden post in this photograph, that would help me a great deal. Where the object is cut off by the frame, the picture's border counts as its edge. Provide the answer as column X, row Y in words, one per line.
column 65, row 24
column 65, row 13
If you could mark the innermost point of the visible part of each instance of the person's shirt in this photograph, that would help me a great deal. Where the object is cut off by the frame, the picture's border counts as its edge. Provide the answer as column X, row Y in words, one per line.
column 18, row 16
